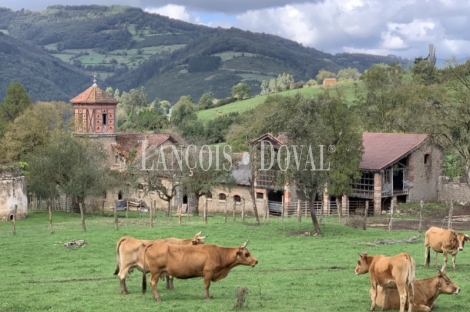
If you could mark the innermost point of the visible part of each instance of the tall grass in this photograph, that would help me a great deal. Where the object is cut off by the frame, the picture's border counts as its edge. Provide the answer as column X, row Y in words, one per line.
column 296, row 272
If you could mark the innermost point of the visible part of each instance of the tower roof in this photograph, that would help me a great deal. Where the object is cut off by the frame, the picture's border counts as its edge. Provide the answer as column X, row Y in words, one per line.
column 93, row 95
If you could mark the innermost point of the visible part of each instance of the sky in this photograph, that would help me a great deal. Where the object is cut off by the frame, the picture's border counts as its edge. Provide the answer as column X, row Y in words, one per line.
column 400, row 27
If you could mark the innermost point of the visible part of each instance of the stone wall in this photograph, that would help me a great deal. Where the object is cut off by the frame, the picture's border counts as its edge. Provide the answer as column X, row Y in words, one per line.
column 12, row 192
column 456, row 189
column 425, row 168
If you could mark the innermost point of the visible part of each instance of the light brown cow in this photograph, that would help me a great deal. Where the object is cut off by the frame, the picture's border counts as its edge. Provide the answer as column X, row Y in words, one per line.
column 394, row 272
column 426, row 292
column 443, row 241
column 130, row 255
column 210, row 262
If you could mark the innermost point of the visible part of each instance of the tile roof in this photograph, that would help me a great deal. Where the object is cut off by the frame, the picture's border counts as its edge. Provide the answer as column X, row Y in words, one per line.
column 280, row 139
column 383, row 149
column 93, row 95
column 126, row 142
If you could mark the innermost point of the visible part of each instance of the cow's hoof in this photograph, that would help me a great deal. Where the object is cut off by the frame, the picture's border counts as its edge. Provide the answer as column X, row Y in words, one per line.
column 158, row 299
column 124, row 292
column 209, row 298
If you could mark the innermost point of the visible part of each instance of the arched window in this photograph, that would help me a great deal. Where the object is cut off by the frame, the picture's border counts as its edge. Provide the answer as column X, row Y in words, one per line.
column 222, row 197
column 237, row 199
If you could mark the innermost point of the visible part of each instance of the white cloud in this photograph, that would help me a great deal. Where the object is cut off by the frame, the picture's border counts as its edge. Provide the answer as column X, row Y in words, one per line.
column 175, row 11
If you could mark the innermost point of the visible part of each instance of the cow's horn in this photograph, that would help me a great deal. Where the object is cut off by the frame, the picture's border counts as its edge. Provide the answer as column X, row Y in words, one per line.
column 203, row 237
column 466, row 235
column 244, row 244
column 199, row 233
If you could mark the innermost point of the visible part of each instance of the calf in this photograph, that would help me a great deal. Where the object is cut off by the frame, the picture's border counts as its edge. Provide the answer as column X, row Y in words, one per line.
column 394, row 272
column 443, row 241
column 426, row 292
column 210, row 262
column 130, row 255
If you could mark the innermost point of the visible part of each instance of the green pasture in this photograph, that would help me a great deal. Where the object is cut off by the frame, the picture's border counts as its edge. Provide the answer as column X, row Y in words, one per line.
column 224, row 56
column 240, row 106
column 296, row 272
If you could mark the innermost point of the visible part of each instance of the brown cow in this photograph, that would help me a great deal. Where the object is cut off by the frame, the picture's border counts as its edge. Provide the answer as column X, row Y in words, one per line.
column 394, row 272
column 130, row 255
column 425, row 290
column 210, row 262
column 443, row 241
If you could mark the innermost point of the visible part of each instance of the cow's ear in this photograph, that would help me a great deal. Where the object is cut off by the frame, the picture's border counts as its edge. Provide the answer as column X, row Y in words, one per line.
column 239, row 253
column 194, row 242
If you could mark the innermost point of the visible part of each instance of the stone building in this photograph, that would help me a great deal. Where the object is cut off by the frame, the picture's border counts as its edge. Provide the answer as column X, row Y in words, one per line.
column 12, row 193
column 398, row 165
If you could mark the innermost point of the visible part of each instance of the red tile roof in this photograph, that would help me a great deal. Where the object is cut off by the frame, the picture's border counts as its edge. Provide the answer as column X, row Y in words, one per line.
column 127, row 142
column 383, row 149
column 93, row 95
column 280, row 139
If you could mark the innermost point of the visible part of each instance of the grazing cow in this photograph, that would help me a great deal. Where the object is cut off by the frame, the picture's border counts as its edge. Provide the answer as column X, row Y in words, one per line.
column 130, row 255
column 443, row 241
column 426, row 292
column 394, row 272
column 210, row 262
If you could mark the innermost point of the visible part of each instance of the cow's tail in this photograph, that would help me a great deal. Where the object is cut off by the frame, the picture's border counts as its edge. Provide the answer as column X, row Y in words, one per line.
column 118, row 246
column 427, row 249
column 144, row 269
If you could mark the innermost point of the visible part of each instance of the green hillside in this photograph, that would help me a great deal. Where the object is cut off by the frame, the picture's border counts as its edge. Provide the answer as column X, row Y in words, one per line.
column 128, row 48
column 349, row 89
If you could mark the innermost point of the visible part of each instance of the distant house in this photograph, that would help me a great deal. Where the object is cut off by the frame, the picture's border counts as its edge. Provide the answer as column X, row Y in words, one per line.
column 405, row 166
column 12, row 194
column 329, row 81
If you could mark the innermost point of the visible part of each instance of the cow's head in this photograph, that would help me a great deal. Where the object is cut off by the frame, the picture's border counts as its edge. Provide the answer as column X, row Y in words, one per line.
column 446, row 285
column 363, row 264
column 198, row 239
column 244, row 257
column 461, row 239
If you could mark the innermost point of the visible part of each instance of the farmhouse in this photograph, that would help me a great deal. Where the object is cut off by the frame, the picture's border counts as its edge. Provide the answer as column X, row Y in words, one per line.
column 398, row 165
column 394, row 165
column 329, row 81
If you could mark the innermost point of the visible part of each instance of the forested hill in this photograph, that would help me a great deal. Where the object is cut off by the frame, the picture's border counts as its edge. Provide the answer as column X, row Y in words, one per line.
column 44, row 76
column 129, row 48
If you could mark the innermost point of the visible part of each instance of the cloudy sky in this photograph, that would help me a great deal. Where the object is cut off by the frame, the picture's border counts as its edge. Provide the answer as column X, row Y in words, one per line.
column 400, row 27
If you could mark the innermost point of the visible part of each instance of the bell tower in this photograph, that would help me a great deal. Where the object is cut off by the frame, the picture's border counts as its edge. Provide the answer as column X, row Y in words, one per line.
column 95, row 112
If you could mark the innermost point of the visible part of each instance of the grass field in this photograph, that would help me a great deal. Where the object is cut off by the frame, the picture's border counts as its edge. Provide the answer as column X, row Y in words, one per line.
column 295, row 272
column 241, row 106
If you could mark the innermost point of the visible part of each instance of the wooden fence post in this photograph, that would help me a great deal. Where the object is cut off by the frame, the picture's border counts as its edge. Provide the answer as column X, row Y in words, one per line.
column 151, row 214
column 102, row 207
column 82, row 216
column 390, row 222
column 282, row 208
column 451, row 212
column 364, row 218
column 51, row 229
column 13, row 221
column 421, row 206
column 116, row 222
column 243, row 209
column 205, row 211
column 234, row 211
column 225, row 210
column 299, row 213
column 127, row 208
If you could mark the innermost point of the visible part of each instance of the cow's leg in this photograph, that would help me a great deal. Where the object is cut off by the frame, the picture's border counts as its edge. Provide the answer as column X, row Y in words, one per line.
column 169, row 282
column 373, row 296
column 403, row 298
column 384, row 297
column 207, row 284
column 444, row 265
column 453, row 260
column 122, row 279
column 435, row 258
column 153, row 283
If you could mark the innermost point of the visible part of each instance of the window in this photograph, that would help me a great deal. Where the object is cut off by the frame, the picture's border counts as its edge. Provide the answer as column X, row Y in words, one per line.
column 222, row 197
column 209, row 196
column 116, row 159
column 105, row 119
column 427, row 159
column 140, row 187
column 237, row 199
column 259, row 195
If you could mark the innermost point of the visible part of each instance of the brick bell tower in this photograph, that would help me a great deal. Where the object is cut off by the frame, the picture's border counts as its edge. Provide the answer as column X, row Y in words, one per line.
column 95, row 116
